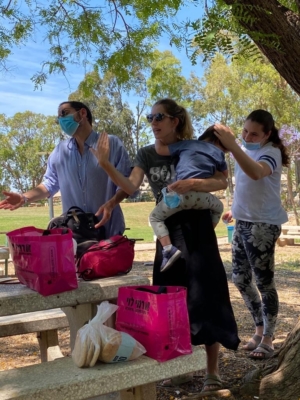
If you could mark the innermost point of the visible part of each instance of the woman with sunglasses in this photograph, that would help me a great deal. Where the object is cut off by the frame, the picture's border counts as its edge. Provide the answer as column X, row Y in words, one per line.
column 200, row 268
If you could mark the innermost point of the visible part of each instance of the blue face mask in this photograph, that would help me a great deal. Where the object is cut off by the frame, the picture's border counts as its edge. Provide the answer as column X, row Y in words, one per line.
column 172, row 199
column 68, row 124
column 250, row 145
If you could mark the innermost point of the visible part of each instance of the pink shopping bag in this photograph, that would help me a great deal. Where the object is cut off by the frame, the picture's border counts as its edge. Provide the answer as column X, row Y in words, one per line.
column 157, row 317
column 44, row 260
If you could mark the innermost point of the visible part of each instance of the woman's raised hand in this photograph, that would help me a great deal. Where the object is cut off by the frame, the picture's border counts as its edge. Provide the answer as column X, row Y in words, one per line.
column 225, row 135
column 12, row 201
column 102, row 149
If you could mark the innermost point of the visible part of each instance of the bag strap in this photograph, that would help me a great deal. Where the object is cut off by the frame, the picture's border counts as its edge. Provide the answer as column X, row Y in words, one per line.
column 48, row 232
column 8, row 281
column 72, row 213
column 111, row 245
column 75, row 208
column 97, row 247
column 84, row 274
column 160, row 290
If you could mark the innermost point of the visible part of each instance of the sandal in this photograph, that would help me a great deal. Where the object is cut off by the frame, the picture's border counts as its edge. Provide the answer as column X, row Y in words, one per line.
column 214, row 381
column 265, row 350
column 177, row 380
column 252, row 345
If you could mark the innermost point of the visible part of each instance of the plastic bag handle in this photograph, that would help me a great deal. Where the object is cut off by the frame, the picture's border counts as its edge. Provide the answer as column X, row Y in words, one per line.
column 160, row 290
column 48, row 232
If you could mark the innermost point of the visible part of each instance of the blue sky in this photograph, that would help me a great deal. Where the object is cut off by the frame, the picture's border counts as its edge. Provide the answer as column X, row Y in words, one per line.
column 17, row 90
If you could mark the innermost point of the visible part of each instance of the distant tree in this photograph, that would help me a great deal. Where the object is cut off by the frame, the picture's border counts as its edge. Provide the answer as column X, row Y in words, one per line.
column 291, row 138
column 111, row 113
column 229, row 91
column 27, row 139
column 105, row 96
column 165, row 78
column 118, row 36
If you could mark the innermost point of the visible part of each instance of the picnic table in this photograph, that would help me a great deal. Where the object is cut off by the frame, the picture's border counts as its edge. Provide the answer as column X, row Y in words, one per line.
column 288, row 235
column 61, row 379
column 79, row 305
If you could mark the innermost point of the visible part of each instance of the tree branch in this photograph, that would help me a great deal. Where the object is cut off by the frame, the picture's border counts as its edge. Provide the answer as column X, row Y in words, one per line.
column 7, row 7
column 271, row 19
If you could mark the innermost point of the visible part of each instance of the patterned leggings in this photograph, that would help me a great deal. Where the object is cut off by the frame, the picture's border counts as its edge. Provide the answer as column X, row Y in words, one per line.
column 190, row 200
column 253, row 248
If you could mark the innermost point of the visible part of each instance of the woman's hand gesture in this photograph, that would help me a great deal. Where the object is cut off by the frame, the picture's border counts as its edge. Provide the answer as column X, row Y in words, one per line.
column 102, row 150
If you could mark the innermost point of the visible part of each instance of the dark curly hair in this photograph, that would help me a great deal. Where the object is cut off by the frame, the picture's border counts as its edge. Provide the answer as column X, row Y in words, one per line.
column 77, row 105
column 265, row 119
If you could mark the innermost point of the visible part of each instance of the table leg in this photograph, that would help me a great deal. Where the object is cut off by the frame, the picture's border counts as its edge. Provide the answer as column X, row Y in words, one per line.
column 145, row 392
column 49, row 346
column 82, row 314
column 6, row 267
column 77, row 317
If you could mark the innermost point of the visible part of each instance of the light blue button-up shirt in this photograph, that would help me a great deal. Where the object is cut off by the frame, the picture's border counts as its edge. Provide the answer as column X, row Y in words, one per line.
column 82, row 182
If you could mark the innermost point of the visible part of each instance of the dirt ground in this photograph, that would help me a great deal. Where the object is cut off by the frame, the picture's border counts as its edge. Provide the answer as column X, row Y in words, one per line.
column 23, row 350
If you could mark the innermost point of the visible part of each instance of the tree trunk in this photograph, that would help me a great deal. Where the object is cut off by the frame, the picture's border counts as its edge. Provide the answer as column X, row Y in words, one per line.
column 297, row 172
column 268, row 17
column 278, row 378
column 230, row 175
column 291, row 197
column 283, row 382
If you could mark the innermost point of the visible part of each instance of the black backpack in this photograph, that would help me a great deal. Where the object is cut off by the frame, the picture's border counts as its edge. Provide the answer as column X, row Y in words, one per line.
column 82, row 225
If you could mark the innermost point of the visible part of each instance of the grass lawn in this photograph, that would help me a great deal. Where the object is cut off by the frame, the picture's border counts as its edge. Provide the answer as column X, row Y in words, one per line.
column 136, row 218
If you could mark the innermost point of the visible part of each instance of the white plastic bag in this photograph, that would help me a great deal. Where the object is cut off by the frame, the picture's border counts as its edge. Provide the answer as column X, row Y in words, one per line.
column 87, row 347
column 95, row 341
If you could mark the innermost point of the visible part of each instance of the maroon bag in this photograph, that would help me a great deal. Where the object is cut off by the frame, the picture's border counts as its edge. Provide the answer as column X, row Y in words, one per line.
column 107, row 258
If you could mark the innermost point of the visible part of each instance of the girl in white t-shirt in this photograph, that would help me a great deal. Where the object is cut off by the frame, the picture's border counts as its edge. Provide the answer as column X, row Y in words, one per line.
column 259, row 214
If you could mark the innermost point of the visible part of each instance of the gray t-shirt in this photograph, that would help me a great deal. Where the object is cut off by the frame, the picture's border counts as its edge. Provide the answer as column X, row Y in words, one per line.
column 160, row 170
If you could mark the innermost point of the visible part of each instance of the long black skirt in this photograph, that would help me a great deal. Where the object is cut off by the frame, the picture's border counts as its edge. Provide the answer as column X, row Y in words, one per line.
column 201, row 270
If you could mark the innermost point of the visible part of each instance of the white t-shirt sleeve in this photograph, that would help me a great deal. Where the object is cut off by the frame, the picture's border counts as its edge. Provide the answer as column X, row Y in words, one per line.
column 272, row 157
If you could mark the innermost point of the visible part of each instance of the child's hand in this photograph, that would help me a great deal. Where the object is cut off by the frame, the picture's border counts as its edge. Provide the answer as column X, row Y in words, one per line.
column 227, row 217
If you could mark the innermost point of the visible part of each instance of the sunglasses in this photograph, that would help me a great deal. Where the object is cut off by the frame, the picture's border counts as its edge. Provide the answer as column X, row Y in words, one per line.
column 157, row 117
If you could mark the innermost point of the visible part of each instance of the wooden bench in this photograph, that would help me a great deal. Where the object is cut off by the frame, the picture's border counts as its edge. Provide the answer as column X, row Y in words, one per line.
column 44, row 323
column 288, row 235
column 62, row 380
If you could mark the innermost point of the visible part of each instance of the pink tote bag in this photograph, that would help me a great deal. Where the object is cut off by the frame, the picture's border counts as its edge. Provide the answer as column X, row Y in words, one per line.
column 157, row 317
column 44, row 260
